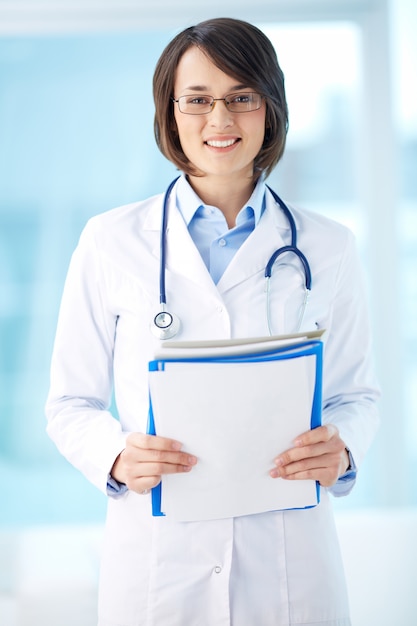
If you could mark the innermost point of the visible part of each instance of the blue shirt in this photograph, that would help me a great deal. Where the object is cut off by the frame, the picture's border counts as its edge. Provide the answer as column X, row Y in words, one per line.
column 208, row 228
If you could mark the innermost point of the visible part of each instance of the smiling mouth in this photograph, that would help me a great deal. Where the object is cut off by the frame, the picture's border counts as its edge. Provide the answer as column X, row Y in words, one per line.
column 221, row 144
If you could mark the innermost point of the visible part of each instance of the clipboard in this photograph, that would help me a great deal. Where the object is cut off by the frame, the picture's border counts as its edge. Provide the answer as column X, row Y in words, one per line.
column 239, row 378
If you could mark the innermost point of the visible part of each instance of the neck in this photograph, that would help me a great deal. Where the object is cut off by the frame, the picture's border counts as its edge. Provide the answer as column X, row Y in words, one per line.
column 228, row 195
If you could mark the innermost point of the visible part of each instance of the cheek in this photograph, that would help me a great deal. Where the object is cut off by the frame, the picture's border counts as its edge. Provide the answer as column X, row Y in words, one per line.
column 257, row 141
column 187, row 125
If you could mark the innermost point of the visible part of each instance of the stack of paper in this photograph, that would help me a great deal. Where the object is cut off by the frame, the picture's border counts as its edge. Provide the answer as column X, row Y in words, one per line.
column 235, row 405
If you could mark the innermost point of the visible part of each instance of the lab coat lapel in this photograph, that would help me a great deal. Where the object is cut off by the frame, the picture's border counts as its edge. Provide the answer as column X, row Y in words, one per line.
column 182, row 256
column 271, row 233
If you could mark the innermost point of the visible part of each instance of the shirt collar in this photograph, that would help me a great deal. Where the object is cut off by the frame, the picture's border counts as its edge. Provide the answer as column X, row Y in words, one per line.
column 188, row 202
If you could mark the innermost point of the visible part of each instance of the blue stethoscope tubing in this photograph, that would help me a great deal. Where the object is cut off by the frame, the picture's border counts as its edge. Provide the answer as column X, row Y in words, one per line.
column 292, row 249
column 166, row 325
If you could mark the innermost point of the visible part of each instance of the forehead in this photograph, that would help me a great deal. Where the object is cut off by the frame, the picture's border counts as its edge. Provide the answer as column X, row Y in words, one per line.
column 197, row 72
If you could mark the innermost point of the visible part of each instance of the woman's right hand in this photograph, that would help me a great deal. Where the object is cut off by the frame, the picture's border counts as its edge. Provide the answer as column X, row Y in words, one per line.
column 146, row 457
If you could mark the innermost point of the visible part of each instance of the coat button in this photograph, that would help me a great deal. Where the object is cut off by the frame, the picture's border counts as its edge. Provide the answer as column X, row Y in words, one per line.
column 217, row 569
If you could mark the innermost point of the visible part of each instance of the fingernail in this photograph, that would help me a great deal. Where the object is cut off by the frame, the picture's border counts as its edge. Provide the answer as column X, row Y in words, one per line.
column 192, row 460
column 274, row 473
column 278, row 462
column 176, row 445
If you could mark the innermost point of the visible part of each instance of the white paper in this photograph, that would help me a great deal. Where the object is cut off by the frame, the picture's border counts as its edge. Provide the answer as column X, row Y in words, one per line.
column 223, row 347
column 236, row 418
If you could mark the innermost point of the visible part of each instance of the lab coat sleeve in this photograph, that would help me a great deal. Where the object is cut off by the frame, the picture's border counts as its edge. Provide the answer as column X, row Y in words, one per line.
column 350, row 389
column 77, row 410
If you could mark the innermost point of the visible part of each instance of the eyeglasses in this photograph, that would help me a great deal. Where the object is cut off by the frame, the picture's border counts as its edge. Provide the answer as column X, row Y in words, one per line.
column 200, row 104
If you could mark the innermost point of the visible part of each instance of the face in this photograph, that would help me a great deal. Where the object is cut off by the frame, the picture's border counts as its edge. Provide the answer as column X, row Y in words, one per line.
column 219, row 143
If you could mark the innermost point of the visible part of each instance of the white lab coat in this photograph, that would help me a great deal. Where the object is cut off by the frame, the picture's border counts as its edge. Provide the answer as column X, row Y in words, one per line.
column 272, row 569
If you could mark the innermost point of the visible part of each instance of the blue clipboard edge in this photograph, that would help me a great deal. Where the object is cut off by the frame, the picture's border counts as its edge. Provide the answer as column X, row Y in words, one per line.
column 312, row 347
column 156, row 492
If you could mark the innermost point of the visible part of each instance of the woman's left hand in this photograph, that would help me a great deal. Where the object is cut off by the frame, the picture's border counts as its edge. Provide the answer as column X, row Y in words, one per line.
column 319, row 454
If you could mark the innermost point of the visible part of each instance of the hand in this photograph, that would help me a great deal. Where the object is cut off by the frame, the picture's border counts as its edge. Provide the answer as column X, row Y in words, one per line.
column 319, row 454
column 146, row 457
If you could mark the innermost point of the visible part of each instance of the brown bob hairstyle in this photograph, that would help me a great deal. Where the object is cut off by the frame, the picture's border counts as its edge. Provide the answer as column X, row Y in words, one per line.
column 240, row 50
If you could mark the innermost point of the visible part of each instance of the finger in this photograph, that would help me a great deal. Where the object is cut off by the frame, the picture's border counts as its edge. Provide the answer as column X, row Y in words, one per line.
column 139, row 456
column 299, row 474
column 316, row 435
column 142, row 448
column 326, row 476
column 148, row 475
column 319, row 461
column 153, row 442
column 318, row 474
column 289, row 457
column 149, row 470
column 143, row 486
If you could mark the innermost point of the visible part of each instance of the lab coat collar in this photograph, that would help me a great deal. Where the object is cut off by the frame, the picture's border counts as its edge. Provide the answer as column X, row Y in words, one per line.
column 182, row 256
column 272, row 232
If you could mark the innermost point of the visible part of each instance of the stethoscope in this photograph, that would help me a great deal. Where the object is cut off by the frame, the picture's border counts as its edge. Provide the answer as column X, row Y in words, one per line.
column 166, row 325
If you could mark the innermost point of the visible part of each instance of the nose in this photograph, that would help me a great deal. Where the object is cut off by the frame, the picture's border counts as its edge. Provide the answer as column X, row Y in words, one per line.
column 216, row 100
column 220, row 114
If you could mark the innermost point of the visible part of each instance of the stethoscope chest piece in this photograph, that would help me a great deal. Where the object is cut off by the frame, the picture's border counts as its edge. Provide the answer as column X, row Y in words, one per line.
column 165, row 325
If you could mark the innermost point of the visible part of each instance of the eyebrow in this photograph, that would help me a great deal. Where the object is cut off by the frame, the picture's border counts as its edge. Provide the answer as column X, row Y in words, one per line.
column 204, row 89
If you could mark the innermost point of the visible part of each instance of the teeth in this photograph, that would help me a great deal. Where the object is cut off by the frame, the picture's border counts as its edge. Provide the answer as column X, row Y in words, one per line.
column 221, row 144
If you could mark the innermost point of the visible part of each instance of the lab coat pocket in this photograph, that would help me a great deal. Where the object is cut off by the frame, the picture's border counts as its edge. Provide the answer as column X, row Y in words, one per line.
column 184, row 588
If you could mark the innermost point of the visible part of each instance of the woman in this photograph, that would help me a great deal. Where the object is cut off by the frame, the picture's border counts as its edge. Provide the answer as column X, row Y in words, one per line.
column 221, row 118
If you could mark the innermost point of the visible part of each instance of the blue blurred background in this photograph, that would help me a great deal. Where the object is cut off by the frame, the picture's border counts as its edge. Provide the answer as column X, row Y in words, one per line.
column 76, row 139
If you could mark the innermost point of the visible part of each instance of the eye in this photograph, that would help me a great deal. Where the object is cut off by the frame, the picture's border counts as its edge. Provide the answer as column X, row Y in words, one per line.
column 198, row 100
column 240, row 98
